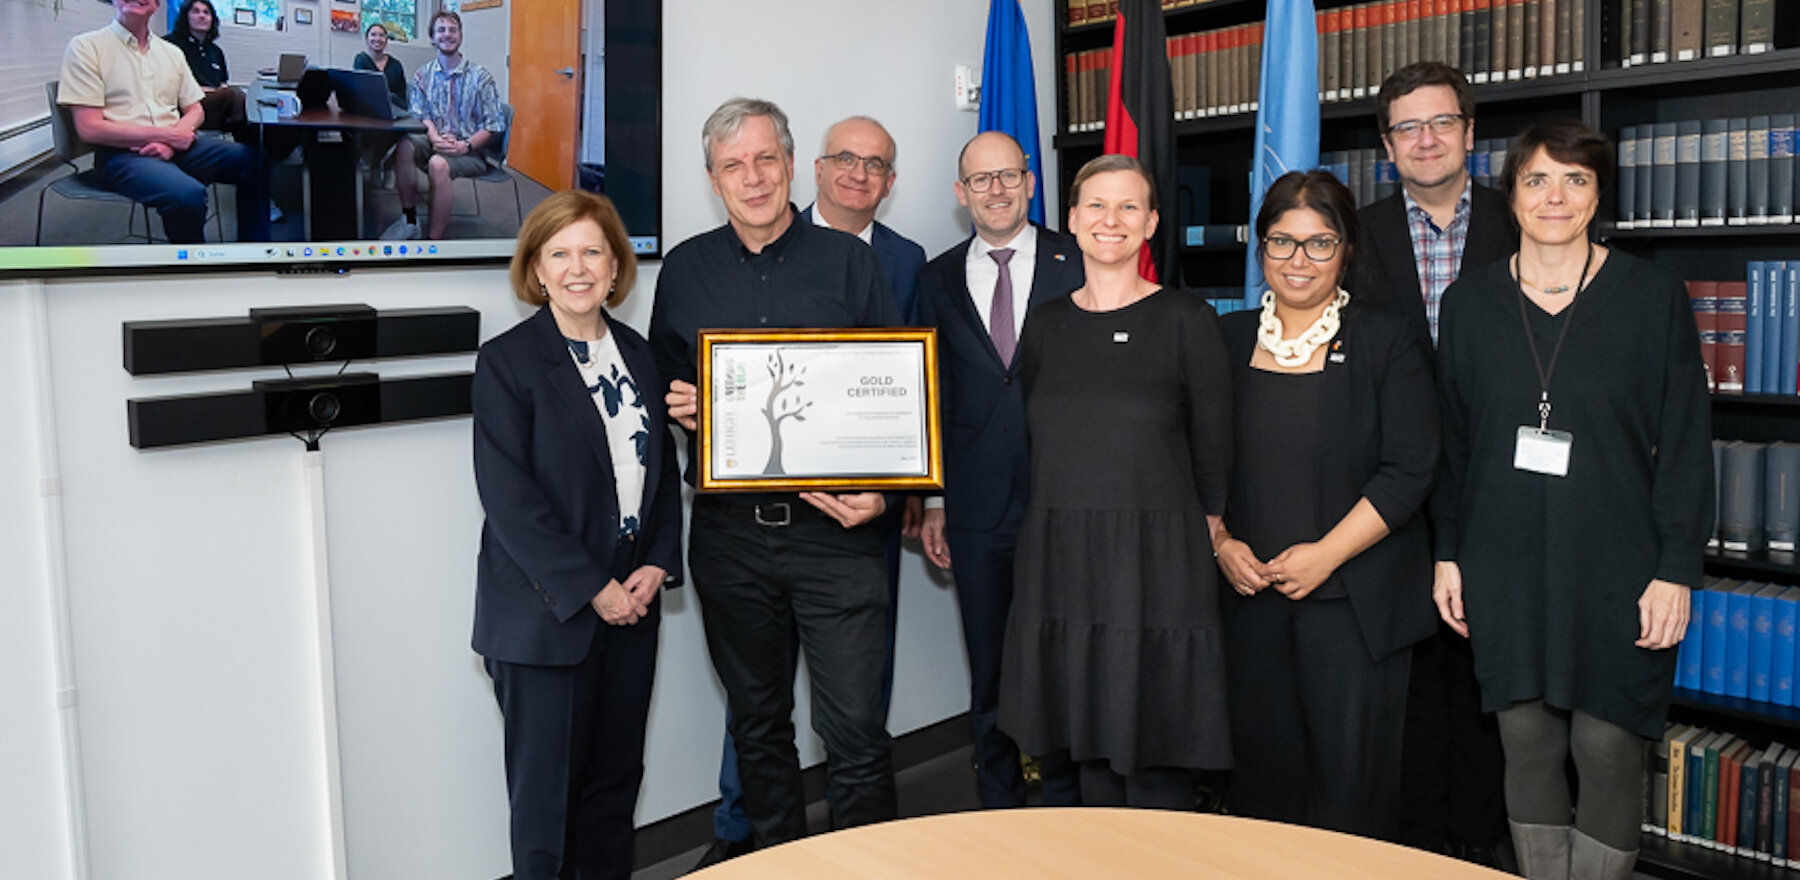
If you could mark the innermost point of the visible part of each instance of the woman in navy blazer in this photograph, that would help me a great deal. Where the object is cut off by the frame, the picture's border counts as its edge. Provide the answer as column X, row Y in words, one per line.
column 1337, row 444
column 577, row 475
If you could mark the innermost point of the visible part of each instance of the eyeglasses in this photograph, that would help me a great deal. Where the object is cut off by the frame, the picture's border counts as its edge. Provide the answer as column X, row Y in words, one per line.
column 875, row 166
column 1442, row 125
column 982, row 181
column 1318, row 250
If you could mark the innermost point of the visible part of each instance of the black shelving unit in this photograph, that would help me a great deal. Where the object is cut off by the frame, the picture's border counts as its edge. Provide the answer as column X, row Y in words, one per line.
column 1607, row 96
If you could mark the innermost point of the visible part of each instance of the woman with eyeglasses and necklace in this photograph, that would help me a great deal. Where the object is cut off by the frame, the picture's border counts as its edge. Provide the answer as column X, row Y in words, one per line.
column 1577, row 434
column 1323, row 545
column 1112, row 648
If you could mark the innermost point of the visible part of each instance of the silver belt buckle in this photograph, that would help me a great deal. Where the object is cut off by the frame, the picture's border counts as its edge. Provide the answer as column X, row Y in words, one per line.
column 779, row 513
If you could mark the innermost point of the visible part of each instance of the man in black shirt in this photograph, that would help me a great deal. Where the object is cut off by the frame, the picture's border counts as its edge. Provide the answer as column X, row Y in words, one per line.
column 767, row 566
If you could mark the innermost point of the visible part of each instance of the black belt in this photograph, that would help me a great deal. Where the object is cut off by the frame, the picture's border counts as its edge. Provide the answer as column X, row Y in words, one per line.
column 770, row 514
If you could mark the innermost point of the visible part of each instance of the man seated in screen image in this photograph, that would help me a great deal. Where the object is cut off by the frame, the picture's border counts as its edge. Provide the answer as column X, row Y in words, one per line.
column 459, row 102
column 135, row 101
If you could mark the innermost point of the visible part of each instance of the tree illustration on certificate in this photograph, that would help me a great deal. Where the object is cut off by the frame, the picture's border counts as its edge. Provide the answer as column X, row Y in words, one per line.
column 782, row 405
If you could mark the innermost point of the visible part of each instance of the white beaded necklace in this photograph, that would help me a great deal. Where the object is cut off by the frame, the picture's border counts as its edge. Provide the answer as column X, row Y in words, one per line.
column 1297, row 351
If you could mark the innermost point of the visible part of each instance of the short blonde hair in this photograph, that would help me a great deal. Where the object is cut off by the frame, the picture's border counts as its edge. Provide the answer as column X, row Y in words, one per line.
column 556, row 213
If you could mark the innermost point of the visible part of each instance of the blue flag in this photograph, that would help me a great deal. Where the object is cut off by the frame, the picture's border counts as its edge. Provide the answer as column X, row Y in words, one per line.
column 1008, row 92
column 1287, row 114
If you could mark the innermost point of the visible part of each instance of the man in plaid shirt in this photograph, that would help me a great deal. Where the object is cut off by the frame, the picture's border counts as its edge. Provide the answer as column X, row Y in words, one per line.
column 1414, row 244
column 459, row 102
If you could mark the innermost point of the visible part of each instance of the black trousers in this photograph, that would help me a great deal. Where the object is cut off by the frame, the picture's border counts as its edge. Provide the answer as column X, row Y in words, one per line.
column 759, row 586
column 982, row 564
column 575, row 753
column 1315, row 723
column 1451, row 790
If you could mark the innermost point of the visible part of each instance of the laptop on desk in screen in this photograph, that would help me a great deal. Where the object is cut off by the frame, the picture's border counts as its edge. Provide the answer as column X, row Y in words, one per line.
column 365, row 93
column 289, row 70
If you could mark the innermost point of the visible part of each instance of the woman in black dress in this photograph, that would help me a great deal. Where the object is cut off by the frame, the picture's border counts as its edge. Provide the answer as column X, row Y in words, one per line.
column 576, row 470
column 1336, row 446
column 1577, row 434
column 1113, row 649
column 378, row 59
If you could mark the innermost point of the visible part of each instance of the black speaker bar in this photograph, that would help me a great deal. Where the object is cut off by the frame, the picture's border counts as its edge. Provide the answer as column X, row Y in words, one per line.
column 295, row 405
column 303, row 335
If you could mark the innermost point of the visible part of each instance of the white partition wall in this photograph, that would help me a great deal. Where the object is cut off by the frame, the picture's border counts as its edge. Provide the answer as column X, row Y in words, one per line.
column 173, row 591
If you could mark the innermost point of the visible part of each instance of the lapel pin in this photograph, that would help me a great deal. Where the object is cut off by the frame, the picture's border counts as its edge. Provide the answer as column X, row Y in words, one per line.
column 1337, row 352
column 1059, row 258
column 1121, row 337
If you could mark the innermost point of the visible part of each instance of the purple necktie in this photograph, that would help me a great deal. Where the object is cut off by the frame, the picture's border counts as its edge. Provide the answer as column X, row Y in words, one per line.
column 1000, row 315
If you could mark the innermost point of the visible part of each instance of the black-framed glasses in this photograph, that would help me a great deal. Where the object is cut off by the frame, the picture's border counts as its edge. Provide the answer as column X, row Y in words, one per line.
column 982, row 181
column 1442, row 125
column 1318, row 250
column 846, row 161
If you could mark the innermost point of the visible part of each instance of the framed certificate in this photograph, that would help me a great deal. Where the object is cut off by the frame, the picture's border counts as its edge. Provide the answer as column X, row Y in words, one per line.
column 824, row 410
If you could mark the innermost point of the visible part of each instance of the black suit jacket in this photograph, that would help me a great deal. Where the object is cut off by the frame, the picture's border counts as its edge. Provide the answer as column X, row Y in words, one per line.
column 1387, row 273
column 900, row 259
column 986, row 459
column 544, row 473
column 1378, row 439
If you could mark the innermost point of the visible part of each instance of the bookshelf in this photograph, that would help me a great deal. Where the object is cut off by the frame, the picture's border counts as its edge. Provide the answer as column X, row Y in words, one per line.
column 1213, row 152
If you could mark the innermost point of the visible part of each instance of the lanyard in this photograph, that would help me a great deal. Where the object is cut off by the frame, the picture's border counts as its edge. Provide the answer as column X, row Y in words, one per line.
column 1543, row 371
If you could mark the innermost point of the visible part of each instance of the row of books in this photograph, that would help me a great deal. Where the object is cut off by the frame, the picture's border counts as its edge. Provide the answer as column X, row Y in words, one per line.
column 1717, row 790
column 1708, row 172
column 1098, row 11
column 1758, row 504
column 1490, row 40
column 1660, row 31
column 1750, row 329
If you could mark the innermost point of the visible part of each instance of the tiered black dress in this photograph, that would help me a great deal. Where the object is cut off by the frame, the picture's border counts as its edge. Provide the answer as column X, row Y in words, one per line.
column 1114, row 647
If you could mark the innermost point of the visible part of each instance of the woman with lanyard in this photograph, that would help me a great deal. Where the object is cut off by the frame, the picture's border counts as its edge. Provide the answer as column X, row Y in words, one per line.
column 1577, row 437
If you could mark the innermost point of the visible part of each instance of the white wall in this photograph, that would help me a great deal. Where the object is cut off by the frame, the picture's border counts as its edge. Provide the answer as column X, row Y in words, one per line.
column 201, row 743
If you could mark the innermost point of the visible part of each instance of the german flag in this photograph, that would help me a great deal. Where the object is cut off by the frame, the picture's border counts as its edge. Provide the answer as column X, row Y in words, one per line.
column 1140, row 118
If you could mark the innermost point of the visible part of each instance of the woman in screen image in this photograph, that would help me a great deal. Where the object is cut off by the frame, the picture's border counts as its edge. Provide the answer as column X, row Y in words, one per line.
column 1323, row 544
column 1113, row 649
column 196, row 33
column 377, row 59
column 576, row 471
column 1577, row 436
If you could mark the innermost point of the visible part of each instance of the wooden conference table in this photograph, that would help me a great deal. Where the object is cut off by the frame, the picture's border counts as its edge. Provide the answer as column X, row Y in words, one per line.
column 1086, row 843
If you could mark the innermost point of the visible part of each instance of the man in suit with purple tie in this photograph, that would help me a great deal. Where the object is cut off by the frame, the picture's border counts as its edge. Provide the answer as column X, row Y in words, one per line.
column 977, row 294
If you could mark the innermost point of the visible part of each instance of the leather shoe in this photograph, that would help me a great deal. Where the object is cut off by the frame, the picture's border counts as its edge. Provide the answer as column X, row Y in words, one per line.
column 723, row 850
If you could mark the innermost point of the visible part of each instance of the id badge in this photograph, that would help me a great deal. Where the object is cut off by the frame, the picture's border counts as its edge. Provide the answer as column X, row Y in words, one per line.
column 1543, row 452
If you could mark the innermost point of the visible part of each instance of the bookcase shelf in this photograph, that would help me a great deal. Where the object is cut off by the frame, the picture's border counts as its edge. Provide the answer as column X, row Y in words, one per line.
column 1715, row 71
column 1761, row 565
column 1659, row 856
column 1766, row 714
column 1780, row 230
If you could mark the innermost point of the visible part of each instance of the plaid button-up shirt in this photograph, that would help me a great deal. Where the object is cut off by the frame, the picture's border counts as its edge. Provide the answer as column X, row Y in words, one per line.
column 458, row 102
column 1437, row 253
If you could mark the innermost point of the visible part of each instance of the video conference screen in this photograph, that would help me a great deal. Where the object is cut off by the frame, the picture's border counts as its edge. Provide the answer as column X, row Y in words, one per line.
column 324, row 122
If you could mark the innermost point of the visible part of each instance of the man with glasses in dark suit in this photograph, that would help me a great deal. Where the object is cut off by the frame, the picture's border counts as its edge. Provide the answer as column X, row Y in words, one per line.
column 976, row 294
column 1414, row 243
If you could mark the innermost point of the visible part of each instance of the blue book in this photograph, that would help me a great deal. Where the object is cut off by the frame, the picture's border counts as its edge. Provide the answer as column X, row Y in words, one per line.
column 1790, row 346
column 1756, row 278
column 1772, row 326
column 1695, row 823
column 1790, row 327
column 1781, row 659
column 1712, row 670
column 1762, row 641
column 1737, row 639
column 1690, row 657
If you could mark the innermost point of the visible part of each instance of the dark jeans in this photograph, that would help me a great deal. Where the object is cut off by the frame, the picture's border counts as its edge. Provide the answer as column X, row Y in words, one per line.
column 761, row 585
column 575, row 753
column 729, row 820
column 176, row 187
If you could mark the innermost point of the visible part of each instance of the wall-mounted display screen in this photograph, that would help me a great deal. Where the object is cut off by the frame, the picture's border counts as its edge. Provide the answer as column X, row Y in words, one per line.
column 330, row 133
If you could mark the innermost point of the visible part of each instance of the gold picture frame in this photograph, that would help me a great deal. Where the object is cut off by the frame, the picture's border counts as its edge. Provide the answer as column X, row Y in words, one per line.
column 867, row 421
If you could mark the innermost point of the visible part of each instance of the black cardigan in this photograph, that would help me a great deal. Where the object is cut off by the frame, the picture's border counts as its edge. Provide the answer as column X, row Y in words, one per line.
column 1380, row 421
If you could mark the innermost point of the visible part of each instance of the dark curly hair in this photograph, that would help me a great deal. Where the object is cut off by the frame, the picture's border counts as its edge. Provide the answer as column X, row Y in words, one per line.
column 181, row 21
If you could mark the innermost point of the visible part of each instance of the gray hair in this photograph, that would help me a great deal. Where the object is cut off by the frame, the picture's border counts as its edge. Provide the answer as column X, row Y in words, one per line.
column 825, row 142
column 724, row 123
